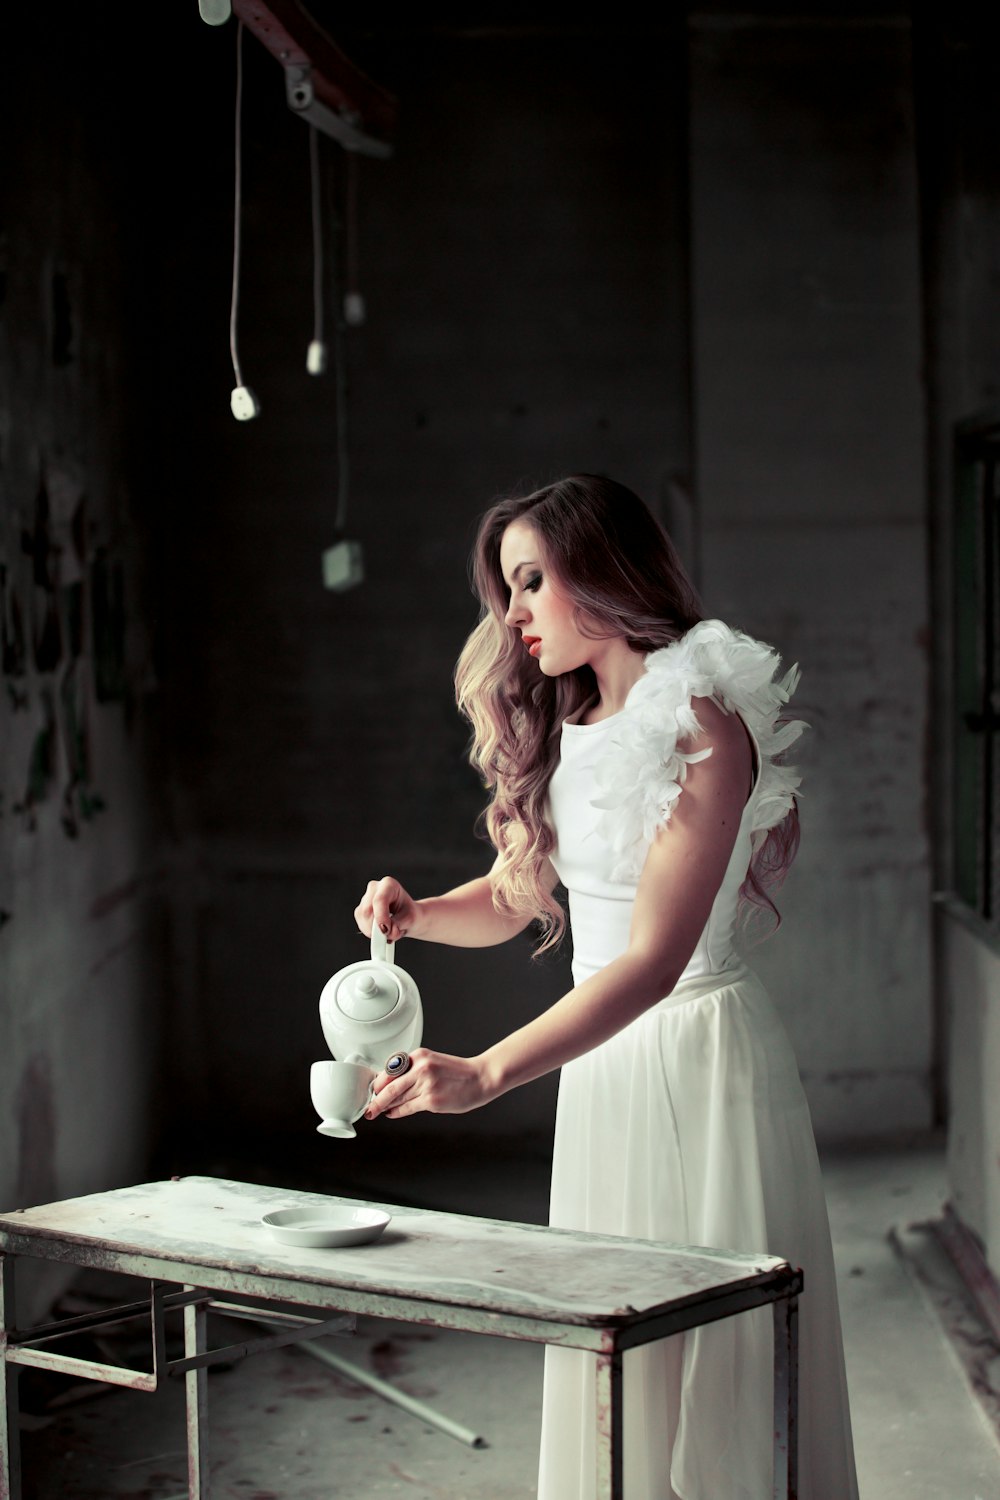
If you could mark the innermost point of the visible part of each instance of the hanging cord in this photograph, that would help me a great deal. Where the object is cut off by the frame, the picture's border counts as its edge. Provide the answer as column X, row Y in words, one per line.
column 340, row 374
column 343, row 563
column 316, row 354
column 243, row 402
column 237, row 208
column 354, row 303
column 343, row 468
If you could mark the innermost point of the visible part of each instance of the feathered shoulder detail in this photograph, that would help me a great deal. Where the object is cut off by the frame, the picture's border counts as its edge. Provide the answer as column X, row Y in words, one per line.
column 642, row 772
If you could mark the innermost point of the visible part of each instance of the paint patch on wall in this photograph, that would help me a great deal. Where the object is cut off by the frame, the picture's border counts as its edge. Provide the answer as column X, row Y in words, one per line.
column 41, row 763
column 80, row 800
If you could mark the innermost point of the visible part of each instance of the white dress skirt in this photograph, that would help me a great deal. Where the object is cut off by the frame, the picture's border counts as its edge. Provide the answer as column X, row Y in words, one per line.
column 690, row 1125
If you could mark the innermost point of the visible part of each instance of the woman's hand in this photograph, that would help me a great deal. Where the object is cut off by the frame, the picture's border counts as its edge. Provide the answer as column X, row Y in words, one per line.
column 389, row 906
column 434, row 1081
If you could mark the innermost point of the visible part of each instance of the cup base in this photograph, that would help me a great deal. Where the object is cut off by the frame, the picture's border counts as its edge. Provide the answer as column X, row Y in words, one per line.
column 337, row 1128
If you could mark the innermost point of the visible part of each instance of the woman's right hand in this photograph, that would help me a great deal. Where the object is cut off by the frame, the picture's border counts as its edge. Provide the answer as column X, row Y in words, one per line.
column 387, row 905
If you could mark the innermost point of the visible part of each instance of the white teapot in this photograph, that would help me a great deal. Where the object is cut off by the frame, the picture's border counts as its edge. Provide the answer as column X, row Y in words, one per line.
column 371, row 1010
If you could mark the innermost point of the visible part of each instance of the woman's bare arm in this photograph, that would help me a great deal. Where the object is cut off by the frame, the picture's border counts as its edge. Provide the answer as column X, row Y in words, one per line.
column 464, row 917
column 682, row 874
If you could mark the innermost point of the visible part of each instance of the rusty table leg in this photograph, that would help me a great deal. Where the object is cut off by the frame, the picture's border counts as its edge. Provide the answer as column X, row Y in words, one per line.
column 786, row 1398
column 196, row 1392
column 609, row 1426
column 10, row 1437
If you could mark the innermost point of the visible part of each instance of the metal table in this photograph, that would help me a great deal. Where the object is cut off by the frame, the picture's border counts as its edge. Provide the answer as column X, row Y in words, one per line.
column 200, row 1243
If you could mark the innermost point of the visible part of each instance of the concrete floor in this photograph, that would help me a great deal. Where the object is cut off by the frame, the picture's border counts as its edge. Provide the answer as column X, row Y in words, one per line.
column 285, row 1427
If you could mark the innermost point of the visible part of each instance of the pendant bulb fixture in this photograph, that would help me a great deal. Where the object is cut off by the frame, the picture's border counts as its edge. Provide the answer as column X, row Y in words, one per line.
column 244, row 404
column 215, row 12
column 316, row 354
column 354, row 309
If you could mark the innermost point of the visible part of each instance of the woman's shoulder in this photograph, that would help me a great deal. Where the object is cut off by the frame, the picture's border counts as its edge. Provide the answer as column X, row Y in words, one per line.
column 718, row 730
column 712, row 660
column 690, row 689
column 744, row 677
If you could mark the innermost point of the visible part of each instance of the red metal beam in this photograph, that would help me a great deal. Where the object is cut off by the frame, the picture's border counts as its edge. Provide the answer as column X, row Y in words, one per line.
column 292, row 36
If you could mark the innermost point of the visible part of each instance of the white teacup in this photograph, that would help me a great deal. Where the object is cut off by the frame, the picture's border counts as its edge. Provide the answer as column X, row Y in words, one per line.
column 340, row 1092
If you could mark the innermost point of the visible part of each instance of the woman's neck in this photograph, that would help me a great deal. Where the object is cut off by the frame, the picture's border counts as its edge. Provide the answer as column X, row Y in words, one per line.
column 617, row 668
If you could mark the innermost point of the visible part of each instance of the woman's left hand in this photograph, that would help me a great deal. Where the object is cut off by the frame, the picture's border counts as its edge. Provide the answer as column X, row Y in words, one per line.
column 434, row 1081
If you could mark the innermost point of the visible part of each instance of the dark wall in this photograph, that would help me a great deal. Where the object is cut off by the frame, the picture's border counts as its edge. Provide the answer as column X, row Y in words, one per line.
column 957, row 83
column 84, row 746
column 522, row 257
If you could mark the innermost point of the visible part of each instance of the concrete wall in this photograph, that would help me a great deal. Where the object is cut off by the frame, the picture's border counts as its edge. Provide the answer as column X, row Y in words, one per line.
column 957, row 80
column 970, row 967
column 811, row 495
column 82, row 916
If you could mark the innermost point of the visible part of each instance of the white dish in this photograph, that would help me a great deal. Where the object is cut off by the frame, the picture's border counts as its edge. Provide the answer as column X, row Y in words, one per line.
column 326, row 1225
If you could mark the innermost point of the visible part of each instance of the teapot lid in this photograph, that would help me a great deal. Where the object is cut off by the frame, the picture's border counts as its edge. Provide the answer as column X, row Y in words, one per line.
column 368, row 992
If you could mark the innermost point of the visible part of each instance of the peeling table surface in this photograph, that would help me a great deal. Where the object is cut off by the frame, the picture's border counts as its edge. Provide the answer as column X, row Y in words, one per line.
column 521, row 1269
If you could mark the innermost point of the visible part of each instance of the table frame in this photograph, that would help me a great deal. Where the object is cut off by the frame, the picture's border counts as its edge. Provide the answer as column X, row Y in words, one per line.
column 304, row 1311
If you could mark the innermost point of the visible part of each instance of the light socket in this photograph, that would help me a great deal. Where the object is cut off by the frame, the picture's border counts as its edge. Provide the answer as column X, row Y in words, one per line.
column 343, row 566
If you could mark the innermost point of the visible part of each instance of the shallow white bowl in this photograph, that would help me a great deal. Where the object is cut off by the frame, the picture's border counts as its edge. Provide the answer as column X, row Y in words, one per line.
column 326, row 1225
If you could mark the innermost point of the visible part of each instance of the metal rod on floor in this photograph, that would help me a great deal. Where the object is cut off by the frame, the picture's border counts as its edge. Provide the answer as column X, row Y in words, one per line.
column 398, row 1398
column 362, row 1377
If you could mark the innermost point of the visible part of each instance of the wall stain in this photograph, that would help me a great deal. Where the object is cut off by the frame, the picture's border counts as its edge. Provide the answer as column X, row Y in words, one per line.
column 117, row 896
column 37, row 543
column 113, row 953
column 35, row 1112
column 13, row 650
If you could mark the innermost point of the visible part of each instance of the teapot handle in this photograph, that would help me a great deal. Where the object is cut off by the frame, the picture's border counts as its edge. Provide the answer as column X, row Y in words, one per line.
column 382, row 949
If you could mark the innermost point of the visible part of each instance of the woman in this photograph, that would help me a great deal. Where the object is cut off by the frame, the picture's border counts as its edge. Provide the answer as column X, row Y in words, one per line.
column 633, row 753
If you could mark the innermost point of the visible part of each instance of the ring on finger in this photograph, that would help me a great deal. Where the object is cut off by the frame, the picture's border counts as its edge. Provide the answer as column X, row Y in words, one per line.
column 398, row 1064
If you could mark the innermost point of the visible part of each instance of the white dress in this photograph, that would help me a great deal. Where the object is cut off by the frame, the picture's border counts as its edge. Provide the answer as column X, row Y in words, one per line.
column 689, row 1125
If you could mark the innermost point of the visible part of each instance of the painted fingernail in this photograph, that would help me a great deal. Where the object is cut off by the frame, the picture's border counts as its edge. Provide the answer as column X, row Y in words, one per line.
column 383, row 927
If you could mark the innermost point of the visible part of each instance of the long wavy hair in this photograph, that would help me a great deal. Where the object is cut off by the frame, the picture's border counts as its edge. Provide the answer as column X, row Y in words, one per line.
column 616, row 564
